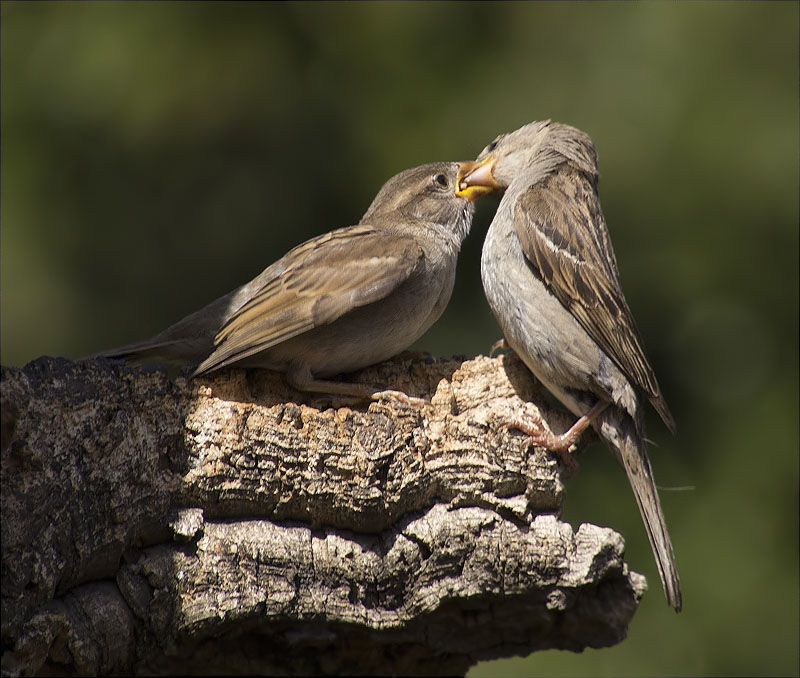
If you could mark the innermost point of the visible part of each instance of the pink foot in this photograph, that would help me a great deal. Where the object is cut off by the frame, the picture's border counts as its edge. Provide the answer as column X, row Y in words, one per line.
column 560, row 444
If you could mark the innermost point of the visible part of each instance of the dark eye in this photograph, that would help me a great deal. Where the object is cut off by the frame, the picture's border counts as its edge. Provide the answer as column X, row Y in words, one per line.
column 492, row 146
column 441, row 180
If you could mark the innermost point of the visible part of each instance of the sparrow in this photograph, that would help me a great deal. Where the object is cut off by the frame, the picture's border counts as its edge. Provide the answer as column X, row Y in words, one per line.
column 339, row 302
column 550, row 276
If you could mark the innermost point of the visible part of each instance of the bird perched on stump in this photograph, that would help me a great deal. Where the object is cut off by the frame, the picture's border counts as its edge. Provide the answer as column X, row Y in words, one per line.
column 550, row 276
column 338, row 302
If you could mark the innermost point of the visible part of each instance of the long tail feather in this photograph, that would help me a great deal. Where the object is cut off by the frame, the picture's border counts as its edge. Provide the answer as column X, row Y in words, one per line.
column 631, row 450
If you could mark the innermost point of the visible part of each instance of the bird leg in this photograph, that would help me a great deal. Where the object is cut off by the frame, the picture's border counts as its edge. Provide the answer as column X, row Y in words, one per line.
column 300, row 377
column 558, row 443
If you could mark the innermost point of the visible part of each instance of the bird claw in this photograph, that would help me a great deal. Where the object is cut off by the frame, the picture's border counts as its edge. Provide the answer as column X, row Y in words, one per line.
column 537, row 435
column 499, row 345
column 403, row 398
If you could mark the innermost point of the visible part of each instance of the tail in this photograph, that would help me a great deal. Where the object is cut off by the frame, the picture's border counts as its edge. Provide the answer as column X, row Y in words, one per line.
column 188, row 341
column 155, row 350
column 631, row 450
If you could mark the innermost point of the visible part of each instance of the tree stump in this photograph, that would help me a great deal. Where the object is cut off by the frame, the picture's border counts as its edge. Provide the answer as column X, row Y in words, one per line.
column 232, row 525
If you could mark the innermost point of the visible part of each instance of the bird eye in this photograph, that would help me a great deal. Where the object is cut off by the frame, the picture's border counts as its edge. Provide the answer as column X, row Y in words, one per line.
column 442, row 180
column 492, row 146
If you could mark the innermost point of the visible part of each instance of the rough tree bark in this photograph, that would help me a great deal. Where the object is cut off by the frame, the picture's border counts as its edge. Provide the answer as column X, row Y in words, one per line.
column 232, row 525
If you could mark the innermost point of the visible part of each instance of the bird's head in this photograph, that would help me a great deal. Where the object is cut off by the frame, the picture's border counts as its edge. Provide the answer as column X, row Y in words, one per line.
column 533, row 151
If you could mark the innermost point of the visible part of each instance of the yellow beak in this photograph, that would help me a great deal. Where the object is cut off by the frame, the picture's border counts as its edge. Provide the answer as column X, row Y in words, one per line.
column 475, row 179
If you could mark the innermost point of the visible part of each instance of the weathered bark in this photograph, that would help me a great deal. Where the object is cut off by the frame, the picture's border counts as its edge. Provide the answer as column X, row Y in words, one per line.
column 233, row 525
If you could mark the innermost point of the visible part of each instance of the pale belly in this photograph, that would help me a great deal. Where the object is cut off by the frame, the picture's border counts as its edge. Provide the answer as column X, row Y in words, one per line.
column 548, row 339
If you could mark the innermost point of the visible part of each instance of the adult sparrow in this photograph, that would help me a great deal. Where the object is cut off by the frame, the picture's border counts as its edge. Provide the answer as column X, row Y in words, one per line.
column 550, row 277
column 340, row 301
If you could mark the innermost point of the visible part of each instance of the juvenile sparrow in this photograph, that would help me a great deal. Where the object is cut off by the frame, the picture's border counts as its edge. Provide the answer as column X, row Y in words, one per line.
column 550, row 277
column 340, row 301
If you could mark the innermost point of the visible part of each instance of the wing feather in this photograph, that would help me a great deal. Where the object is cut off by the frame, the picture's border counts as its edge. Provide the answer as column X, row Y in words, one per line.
column 561, row 227
column 315, row 284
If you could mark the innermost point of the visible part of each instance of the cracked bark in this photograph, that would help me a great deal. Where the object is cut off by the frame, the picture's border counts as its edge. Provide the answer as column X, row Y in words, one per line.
column 232, row 525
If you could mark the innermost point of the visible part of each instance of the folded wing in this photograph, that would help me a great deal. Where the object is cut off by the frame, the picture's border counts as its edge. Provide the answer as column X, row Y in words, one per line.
column 561, row 227
column 315, row 284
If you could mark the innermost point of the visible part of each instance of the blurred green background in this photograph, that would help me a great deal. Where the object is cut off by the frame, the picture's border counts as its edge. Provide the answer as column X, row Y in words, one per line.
column 157, row 155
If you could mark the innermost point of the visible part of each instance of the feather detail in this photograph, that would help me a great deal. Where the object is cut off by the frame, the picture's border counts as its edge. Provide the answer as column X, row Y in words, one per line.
column 563, row 233
column 320, row 281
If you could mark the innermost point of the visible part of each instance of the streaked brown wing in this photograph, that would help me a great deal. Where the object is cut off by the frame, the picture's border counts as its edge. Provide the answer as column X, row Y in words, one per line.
column 318, row 282
column 561, row 227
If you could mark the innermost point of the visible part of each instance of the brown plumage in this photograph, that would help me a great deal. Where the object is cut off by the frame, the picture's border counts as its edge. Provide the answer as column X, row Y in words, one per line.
column 338, row 302
column 550, row 276
column 560, row 225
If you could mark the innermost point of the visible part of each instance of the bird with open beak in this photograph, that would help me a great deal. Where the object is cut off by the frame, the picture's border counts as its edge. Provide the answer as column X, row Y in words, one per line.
column 550, row 276
column 339, row 302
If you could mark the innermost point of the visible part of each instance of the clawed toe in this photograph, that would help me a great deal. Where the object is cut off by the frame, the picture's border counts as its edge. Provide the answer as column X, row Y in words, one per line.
column 499, row 345
column 403, row 398
column 536, row 434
